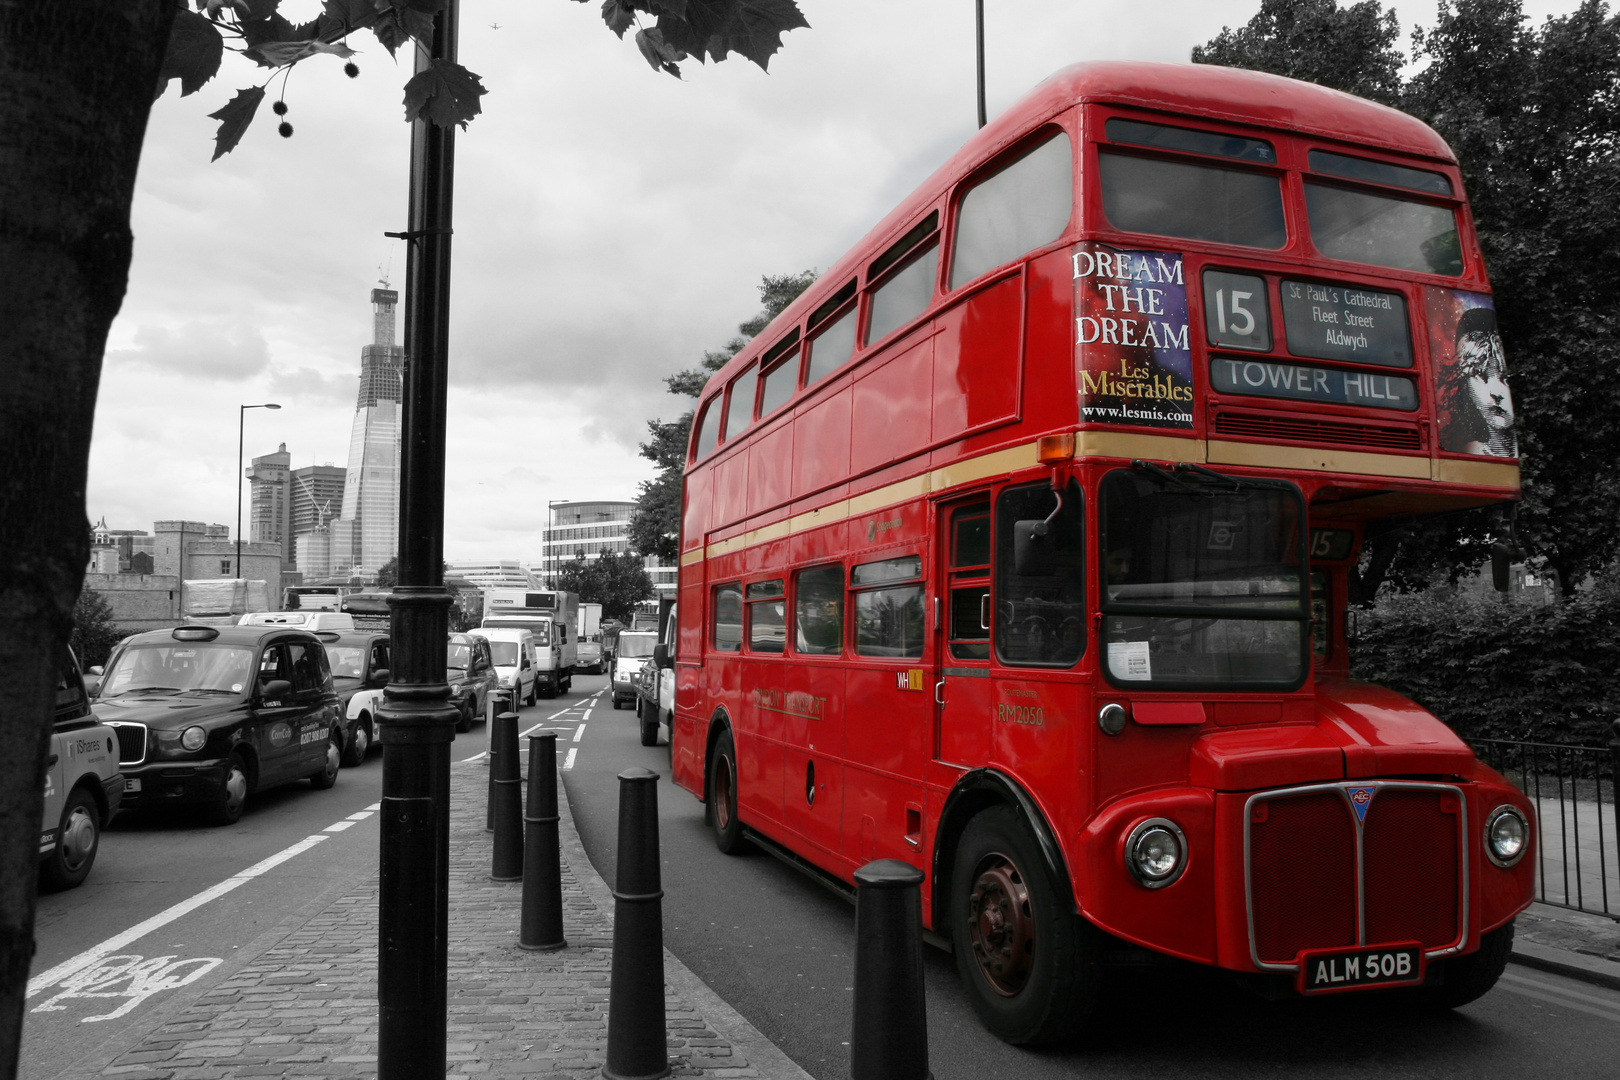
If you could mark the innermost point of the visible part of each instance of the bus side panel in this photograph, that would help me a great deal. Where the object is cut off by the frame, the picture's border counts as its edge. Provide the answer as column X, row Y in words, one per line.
column 1039, row 730
column 770, row 463
column 889, row 740
column 696, row 516
column 821, row 443
column 1049, row 347
column 730, row 490
column 976, row 372
column 892, row 403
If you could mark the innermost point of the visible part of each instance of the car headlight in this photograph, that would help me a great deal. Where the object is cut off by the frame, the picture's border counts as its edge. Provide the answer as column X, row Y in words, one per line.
column 193, row 738
column 1507, row 835
column 1156, row 853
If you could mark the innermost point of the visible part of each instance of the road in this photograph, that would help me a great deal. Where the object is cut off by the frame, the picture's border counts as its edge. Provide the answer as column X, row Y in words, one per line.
column 779, row 948
column 93, row 982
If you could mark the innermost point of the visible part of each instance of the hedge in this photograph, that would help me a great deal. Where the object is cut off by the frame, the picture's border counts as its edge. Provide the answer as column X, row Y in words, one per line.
column 1499, row 667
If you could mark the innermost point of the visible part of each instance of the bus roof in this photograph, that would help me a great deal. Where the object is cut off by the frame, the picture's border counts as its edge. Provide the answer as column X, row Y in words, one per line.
column 1234, row 95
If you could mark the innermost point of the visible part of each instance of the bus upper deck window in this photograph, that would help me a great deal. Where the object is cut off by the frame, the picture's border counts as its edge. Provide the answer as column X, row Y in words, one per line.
column 1189, row 140
column 1025, row 205
column 740, row 410
column 778, row 383
column 907, row 293
column 1195, row 202
column 831, row 340
column 1379, row 172
column 1363, row 227
column 708, row 428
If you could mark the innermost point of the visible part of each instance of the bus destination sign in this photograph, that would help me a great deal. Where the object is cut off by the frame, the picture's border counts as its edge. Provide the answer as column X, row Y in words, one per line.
column 1307, row 382
column 1337, row 322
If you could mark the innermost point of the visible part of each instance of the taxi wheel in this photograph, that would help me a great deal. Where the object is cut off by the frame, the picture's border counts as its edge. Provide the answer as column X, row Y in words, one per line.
column 77, row 838
column 728, row 834
column 232, row 797
column 464, row 716
column 326, row 775
column 359, row 743
column 1029, row 964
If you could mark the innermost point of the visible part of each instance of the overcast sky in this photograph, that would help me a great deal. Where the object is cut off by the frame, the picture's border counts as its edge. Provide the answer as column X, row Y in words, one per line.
column 611, row 224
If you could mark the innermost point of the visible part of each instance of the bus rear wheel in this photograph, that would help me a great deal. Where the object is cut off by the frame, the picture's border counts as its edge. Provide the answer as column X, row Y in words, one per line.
column 1029, row 964
column 728, row 834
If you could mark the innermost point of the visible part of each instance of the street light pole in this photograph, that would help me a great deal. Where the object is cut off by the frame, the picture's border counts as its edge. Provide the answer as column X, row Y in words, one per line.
column 241, row 431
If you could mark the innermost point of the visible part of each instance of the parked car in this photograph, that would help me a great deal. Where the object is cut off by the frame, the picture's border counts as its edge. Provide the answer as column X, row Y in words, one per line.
column 83, row 787
column 208, row 715
column 634, row 648
column 512, row 652
column 358, row 661
column 470, row 671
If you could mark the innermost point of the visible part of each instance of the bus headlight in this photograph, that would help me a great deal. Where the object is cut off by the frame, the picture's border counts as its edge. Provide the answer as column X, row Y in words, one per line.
column 193, row 738
column 1507, row 835
column 1156, row 853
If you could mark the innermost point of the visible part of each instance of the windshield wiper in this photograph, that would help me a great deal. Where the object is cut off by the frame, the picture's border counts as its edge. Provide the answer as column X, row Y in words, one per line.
column 1167, row 476
column 1237, row 482
column 149, row 690
column 210, row 690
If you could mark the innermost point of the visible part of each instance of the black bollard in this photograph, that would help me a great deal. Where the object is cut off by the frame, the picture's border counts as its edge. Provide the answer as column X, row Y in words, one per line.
column 637, row 1033
column 489, row 800
column 542, row 926
column 889, row 1040
column 507, row 801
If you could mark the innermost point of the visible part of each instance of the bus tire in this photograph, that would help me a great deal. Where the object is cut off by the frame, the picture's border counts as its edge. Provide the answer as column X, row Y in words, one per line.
column 1029, row 964
column 1470, row 977
column 728, row 833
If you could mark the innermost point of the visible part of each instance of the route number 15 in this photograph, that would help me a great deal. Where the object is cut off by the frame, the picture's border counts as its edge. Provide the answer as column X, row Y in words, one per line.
column 1236, row 312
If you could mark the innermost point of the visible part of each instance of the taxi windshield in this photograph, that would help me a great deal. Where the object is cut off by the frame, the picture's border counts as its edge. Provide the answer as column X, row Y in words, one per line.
column 179, row 667
column 346, row 661
column 458, row 657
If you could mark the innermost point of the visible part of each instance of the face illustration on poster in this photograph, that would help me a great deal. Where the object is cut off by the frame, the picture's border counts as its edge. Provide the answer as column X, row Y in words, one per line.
column 1476, row 406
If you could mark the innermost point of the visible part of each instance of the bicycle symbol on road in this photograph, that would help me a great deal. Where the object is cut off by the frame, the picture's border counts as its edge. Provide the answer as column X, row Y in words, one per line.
column 133, row 977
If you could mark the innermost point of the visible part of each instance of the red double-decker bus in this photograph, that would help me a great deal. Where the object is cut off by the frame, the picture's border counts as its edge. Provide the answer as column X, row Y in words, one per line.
column 1017, row 549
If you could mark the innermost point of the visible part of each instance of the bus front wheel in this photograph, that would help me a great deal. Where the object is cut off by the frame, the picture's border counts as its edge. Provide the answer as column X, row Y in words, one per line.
column 728, row 834
column 1029, row 964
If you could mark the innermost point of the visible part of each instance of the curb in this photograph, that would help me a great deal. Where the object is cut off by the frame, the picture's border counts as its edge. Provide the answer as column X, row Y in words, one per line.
column 1587, row 969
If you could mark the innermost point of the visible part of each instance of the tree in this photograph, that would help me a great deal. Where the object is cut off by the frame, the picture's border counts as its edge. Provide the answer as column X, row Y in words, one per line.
column 94, row 632
column 655, row 527
column 1534, row 118
column 76, row 82
column 617, row 582
column 1350, row 49
column 388, row 574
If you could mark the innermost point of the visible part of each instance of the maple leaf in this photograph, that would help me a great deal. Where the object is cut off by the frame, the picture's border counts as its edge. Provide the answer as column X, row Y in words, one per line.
column 234, row 119
column 443, row 93
column 658, row 52
column 755, row 29
column 281, row 53
column 194, row 53
column 348, row 15
column 618, row 14
column 273, row 27
column 399, row 23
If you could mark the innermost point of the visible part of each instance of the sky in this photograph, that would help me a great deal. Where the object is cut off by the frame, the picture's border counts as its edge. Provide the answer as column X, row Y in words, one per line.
column 611, row 224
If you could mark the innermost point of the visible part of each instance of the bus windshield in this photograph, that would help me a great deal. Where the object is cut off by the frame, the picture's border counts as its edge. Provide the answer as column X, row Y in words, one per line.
column 1204, row 580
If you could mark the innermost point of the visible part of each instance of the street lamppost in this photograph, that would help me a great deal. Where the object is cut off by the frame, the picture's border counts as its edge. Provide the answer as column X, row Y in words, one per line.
column 241, row 422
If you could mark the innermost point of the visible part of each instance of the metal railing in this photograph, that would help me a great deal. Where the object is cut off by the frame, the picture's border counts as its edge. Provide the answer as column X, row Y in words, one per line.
column 1577, row 818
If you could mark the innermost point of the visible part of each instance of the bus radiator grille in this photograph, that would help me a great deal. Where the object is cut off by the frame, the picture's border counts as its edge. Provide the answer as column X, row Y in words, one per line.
column 1302, row 867
column 1411, row 849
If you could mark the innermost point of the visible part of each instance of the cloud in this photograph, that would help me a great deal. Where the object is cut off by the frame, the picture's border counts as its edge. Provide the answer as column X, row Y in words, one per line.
column 213, row 349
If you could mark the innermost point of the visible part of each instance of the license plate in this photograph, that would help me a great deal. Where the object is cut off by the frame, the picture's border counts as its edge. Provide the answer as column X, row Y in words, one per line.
column 1329, row 971
column 132, row 785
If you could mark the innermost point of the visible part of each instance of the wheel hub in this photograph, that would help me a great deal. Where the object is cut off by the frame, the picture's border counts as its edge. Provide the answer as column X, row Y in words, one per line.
column 78, row 838
column 1001, row 925
column 722, row 793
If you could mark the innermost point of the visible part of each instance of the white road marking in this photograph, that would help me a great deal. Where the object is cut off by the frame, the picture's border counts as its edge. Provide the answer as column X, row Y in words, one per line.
column 542, row 727
column 375, row 806
column 1607, row 1008
column 579, row 734
column 554, row 715
column 338, row 826
column 476, row 757
column 362, row 815
column 91, row 955
column 129, row 976
column 568, row 762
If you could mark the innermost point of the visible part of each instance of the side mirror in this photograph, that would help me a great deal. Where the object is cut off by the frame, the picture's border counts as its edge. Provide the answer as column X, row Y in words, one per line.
column 275, row 690
column 661, row 657
column 1034, row 552
column 1501, row 562
column 380, row 677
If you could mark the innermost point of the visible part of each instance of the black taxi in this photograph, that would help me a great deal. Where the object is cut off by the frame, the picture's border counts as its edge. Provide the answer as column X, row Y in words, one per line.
column 207, row 715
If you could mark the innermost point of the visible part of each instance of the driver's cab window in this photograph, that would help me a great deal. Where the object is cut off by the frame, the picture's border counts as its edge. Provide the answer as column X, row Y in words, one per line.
column 379, row 655
column 274, row 664
column 1040, row 612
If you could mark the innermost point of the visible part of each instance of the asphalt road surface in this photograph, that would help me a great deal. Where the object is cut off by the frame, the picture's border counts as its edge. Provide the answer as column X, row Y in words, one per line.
column 779, row 947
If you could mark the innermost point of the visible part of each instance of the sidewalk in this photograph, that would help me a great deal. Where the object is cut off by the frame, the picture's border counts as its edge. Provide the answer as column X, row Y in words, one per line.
column 1572, row 943
column 307, row 1006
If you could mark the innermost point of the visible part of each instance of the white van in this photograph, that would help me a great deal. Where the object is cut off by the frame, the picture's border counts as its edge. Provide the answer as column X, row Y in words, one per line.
column 635, row 648
column 341, row 621
column 513, row 652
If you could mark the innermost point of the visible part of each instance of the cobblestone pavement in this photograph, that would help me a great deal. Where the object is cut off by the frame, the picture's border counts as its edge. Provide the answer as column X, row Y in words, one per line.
column 306, row 1006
